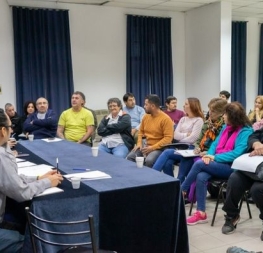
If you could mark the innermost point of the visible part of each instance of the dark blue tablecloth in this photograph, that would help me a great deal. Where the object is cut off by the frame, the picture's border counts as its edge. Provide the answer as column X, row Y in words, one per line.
column 137, row 210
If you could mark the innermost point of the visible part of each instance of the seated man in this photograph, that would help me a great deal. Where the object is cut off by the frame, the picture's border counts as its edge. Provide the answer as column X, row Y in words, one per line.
column 239, row 182
column 157, row 128
column 15, row 119
column 171, row 111
column 43, row 122
column 17, row 187
column 136, row 112
column 77, row 123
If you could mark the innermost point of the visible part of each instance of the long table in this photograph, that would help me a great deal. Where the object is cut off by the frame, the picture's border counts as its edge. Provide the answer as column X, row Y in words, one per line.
column 137, row 210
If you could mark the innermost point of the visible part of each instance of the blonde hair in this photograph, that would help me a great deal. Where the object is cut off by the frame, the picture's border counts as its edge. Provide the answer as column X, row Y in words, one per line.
column 252, row 114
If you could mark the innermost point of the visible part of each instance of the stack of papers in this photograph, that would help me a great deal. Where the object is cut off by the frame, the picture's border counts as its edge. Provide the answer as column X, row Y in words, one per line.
column 51, row 139
column 34, row 171
column 186, row 153
column 25, row 164
column 50, row 191
column 91, row 175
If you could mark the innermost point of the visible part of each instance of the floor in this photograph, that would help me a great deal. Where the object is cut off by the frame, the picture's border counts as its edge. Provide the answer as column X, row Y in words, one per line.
column 206, row 239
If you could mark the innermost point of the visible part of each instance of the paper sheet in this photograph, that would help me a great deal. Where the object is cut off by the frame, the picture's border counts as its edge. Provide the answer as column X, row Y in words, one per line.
column 51, row 139
column 25, row 164
column 18, row 160
column 48, row 191
column 186, row 153
column 35, row 171
column 247, row 163
column 91, row 175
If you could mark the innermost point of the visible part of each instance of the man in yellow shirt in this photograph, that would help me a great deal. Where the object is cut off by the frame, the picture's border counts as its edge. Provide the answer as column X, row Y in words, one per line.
column 156, row 128
column 77, row 123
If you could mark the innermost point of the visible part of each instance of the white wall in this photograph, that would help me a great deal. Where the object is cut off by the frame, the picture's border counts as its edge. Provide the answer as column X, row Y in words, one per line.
column 98, row 44
column 205, row 70
column 7, row 73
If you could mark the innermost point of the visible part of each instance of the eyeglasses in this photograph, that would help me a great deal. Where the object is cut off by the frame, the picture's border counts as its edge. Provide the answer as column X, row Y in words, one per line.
column 11, row 126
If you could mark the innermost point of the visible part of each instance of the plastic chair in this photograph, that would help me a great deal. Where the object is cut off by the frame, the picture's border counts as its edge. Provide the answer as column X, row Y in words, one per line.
column 40, row 228
column 221, row 184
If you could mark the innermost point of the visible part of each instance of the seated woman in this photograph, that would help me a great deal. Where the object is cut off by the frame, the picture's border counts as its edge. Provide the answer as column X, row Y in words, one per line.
column 115, row 130
column 231, row 143
column 187, row 131
column 257, row 114
column 210, row 131
column 29, row 108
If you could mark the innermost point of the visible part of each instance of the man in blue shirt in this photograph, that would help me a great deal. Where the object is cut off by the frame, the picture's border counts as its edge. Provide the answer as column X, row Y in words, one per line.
column 136, row 112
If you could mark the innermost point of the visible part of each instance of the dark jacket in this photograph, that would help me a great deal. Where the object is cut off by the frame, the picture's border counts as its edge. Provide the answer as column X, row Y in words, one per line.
column 42, row 128
column 256, row 136
column 123, row 127
column 16, row 122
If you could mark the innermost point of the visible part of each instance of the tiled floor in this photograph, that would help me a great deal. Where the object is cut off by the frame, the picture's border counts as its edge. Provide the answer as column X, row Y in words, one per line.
column 206, row 239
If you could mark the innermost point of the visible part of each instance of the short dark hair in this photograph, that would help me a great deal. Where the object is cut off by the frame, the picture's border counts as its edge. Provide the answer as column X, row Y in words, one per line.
column 115, row 100
column 81, row 94
column 169, row 99
column 225, row 93
column 126, row 96
column 154, row 99
column 26, row 105
column 3, row 118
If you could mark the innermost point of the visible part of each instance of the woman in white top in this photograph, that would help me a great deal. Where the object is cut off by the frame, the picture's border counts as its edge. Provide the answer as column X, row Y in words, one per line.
column 187, row 131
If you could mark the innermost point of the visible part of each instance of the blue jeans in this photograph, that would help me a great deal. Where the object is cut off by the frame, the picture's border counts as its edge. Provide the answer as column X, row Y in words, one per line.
column 201, row 173
column 185, row 166
column 166, row 160
column 10, row 241
column 120, row 151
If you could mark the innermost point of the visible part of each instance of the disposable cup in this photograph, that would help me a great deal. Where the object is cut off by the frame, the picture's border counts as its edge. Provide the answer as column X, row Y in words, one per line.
column 75, row 182
column 139, row 161
column 31, row 137
column 95, row 151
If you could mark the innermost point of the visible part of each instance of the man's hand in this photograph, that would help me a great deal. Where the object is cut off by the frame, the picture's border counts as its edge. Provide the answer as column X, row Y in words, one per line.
column 133, row 132
column 136, row 148
column 54, row 177
column 146, row 150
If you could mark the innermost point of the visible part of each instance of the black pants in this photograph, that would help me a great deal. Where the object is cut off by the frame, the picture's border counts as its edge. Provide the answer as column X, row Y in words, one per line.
column 237, row 184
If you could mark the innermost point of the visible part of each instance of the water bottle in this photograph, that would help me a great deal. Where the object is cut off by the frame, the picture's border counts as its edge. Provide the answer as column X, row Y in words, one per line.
column 144, row 142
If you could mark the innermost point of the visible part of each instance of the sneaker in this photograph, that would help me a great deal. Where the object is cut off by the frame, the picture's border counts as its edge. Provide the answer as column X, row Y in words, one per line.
column 196, row 218
column 230, row 224
column 239, row 250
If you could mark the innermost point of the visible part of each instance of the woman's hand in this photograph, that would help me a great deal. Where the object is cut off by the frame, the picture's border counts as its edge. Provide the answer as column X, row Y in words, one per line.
column 208, row 158
column 197, row 151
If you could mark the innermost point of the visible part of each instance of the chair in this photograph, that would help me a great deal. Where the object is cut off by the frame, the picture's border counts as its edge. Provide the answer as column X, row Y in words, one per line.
column 221, row 184
column 40, row 228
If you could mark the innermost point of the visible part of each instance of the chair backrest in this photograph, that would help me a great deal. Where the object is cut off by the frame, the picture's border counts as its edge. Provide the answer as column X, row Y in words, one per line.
column 75, row 233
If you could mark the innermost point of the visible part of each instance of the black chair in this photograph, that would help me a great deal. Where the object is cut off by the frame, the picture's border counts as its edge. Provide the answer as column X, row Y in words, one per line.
column 221, row 184
column 40, row 229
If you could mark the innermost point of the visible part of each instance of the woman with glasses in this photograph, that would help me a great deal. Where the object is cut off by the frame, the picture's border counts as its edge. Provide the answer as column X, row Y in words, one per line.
column 115, row 130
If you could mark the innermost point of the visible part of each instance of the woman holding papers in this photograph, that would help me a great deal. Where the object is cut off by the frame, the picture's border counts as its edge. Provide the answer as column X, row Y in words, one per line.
column 115, row 130
column 239, row 182
column 17, row 187
column 187, row 131
column 210, row 131
column 231, row 143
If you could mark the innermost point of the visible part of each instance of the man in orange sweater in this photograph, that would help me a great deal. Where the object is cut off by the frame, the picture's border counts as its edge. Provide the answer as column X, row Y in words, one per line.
column 157, row 129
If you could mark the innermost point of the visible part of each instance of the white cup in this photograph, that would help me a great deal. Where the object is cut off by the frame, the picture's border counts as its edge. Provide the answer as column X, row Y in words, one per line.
column 31, row 137
column 95, row 151
column 75, row 182
column 139, row 161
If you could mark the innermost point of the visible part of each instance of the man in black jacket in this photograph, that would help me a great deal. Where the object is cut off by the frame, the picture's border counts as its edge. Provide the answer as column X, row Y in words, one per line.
column 15, row 119
column 239, row 182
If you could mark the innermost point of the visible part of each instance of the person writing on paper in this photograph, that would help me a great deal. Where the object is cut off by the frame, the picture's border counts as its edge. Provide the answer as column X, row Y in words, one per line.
column 230, row 144
column 17, row 187
column 241, row 181
column 187, row 131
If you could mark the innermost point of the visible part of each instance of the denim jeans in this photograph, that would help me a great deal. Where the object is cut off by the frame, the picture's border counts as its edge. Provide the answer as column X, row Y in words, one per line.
column 119, row 151
column 166, row 160
column 201, row 173
column 185, row 166
column 10, row 241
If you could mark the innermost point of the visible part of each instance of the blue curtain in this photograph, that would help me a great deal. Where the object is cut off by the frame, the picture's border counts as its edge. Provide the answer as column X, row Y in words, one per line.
column 238, row 63
column 260, row 71
column 43, row 66
column 149, row 57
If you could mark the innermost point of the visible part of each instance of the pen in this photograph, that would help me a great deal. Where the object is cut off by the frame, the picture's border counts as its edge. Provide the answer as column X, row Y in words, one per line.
column 80, row 169
column 57, row 164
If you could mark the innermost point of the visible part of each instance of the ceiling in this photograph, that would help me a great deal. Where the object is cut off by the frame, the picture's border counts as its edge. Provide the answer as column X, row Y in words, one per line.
column 242, row 9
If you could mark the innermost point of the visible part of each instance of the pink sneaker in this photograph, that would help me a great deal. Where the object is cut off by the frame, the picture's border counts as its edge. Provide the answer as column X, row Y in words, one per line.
column 196, row 218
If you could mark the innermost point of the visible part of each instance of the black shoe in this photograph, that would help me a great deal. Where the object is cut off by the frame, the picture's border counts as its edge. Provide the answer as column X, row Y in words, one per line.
column 230, row 224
